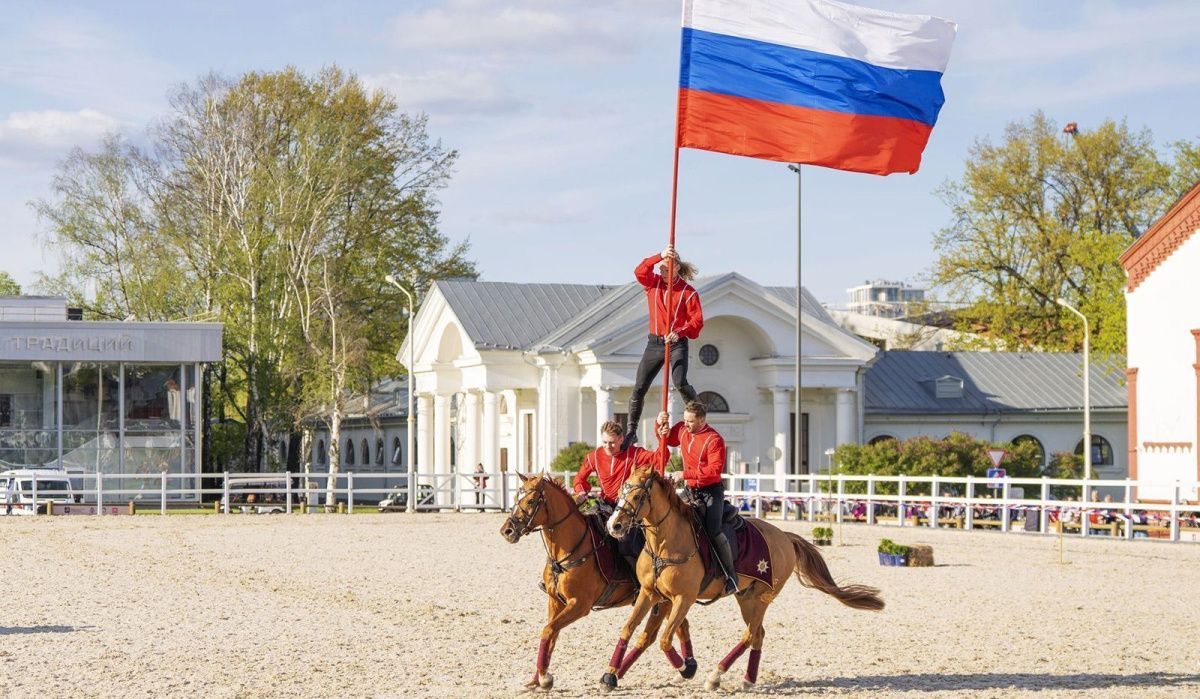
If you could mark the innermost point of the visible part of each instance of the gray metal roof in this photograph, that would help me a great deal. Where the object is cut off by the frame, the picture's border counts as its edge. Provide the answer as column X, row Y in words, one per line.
column 504, row 315
column 903, row 382
column 388, row 399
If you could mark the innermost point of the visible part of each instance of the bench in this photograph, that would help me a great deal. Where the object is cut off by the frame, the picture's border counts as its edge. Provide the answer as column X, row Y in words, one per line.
column 1113, row 528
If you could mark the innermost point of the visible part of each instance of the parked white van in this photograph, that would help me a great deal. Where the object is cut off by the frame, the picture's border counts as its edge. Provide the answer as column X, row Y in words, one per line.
column 16, row 490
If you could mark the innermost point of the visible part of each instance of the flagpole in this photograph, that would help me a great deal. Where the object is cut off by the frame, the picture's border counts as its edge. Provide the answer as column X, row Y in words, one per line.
column 797, row 418
column 666, row 393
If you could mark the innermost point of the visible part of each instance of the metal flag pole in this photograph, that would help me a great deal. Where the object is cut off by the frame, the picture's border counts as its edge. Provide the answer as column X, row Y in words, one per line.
column 670, row 281
column 799, row 297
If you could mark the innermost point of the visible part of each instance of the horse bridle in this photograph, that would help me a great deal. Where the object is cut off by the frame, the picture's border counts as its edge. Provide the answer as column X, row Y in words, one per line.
column 643, row 490
column 525, row 524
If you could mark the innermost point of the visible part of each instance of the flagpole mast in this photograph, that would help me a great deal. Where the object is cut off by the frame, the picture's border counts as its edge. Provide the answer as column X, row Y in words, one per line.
column 666, row 393
column 797, row 419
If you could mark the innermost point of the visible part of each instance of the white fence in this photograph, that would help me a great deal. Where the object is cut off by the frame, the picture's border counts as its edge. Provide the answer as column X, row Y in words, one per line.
column 1043, row 505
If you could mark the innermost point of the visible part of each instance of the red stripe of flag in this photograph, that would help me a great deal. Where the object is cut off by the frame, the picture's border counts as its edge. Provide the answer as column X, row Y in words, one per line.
column 872, row 144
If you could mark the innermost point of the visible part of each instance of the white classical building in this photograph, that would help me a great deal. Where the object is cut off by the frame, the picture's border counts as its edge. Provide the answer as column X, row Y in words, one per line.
column 1163, row 374
column 508, row 374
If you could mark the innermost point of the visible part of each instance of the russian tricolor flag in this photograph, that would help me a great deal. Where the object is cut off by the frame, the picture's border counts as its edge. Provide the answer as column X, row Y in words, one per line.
column 811, row 81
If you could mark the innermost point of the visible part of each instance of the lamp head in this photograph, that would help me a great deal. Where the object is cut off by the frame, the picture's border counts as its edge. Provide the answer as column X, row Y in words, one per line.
column 1061, row 301
column 390, row 279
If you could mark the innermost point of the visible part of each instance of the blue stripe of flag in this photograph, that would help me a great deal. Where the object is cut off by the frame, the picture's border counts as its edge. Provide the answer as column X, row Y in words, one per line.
column 757, row 70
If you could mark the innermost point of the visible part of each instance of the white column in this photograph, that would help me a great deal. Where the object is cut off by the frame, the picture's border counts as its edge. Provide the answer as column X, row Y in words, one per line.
column 468, row 432
column 424, row 443
column 782, row 403
column 440, row 458
column 547, row 418
column 675, row 407
column 604, row 408
column 846, row 428
column 490, row 453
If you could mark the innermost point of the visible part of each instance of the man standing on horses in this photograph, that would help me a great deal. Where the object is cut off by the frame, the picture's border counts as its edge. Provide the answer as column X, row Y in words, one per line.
column 703, row 451
column 677, row 324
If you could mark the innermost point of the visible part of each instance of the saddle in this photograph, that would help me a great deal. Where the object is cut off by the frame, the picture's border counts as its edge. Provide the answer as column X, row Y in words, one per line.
column 751, row 557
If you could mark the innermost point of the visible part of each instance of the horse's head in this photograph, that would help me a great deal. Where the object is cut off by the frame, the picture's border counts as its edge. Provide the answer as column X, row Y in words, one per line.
column 529, row 513
column 634, row 502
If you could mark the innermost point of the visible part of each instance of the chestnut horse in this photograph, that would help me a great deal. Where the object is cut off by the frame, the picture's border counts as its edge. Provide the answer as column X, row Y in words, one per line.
column 572, row 576
column 669, row 568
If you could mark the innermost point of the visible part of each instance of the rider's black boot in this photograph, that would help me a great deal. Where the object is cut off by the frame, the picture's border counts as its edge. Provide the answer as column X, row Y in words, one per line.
column 721, row 546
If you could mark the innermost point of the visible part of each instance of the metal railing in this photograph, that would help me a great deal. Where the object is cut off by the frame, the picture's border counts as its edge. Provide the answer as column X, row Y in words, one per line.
column 1045, row 504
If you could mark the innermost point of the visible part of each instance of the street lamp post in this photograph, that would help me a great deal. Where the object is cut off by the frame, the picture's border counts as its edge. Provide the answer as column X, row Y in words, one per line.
column 1087, row 393
column 408, row 437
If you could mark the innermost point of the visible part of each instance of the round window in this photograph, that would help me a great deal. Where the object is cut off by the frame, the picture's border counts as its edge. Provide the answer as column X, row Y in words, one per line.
column 709, row 355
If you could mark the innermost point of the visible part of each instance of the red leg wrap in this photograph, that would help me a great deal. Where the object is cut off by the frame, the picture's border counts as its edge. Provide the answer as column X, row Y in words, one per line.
column 732, row 657
column 629, row 661
column 543, row 659
column 687, row 649
column 673, row 658
column 752, row 666
column 618, row 653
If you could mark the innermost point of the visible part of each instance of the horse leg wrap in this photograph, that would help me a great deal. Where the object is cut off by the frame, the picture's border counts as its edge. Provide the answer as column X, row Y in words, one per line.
column 752, row 665
column 732, row 657
column 673, row 658
column 687, row 649
column 543, row 657
column 618, row 653
column 629, row 661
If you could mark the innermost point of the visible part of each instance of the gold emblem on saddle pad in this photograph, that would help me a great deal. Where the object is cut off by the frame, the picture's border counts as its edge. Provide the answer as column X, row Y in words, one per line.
column 763, row 565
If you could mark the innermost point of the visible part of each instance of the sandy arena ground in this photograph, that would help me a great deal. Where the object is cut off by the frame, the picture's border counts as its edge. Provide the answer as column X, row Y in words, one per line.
column 440, row 605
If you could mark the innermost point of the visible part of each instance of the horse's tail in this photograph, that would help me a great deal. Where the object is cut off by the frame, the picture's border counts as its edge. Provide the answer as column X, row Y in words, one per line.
column 811, row 571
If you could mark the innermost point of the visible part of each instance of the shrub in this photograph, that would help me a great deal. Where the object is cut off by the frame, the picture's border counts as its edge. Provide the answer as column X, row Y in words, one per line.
column 822, row 533
column 571, row 458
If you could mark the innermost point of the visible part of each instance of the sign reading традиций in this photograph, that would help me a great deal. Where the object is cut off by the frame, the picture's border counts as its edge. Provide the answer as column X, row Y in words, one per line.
column 110, row 341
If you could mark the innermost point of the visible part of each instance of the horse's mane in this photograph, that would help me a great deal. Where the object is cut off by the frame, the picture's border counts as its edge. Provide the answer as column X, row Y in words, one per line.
column 673, row 498
column 562, row 489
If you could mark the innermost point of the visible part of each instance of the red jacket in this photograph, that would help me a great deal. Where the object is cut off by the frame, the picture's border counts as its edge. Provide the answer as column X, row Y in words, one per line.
column 703, row 454
column 687, row 316
column 613, row 471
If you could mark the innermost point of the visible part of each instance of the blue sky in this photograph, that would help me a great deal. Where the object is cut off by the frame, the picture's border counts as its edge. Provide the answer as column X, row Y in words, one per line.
column 562, row 111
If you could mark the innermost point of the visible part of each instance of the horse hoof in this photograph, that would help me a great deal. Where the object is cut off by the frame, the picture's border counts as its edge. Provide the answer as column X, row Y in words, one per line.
column 608, row 681
column 747, row 685
column 546, row 681
column 689, row 668
column 713, row 682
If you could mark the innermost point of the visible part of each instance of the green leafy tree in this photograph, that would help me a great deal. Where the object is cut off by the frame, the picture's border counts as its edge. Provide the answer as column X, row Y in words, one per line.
column 8, row 285
column 273, row 203
column 1044, row 215
column 958, row 455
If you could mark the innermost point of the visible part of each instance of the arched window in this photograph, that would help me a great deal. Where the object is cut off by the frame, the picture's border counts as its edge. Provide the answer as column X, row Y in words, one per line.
column 881, row 438
column 715, row 401
column 379, row 452
column 1037, row 444
column 1102, row 453
column 366, row 453
column 321, row 451
column 349, row 452
column 397, row 452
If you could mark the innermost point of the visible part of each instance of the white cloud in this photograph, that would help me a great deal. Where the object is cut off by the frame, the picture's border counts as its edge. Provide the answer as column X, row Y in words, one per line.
column 447, row 92
column 54, row 129
column 46, row 135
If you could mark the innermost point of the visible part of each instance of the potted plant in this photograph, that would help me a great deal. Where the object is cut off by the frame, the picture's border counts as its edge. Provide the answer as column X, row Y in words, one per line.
column 892, row 554
column 822, row 536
